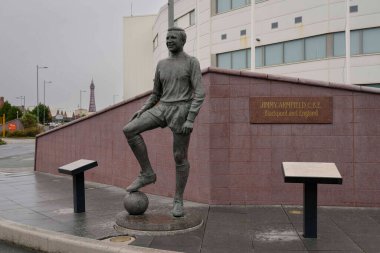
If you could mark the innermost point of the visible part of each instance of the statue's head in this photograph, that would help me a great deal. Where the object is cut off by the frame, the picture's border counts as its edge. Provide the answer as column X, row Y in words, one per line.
column 175, row 39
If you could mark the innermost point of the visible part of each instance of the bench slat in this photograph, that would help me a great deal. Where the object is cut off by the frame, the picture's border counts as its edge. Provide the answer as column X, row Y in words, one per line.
column 311, row 172
column 77, row 167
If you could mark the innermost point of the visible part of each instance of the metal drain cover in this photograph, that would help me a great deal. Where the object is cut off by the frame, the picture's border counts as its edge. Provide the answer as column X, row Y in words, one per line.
column 121, row 239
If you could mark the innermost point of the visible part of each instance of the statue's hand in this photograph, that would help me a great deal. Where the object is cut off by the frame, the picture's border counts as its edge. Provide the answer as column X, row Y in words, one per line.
column 187, row 128
column 136, row 114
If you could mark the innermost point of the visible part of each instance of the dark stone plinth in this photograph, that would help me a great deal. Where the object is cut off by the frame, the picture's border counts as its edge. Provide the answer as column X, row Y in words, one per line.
column 77, row 169
column 311, row 174
column 157, row 222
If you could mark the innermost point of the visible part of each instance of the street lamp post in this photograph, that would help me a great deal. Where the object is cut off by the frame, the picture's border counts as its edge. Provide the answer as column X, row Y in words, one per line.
column 45, row 82
column 22, row 98
column 38, row 113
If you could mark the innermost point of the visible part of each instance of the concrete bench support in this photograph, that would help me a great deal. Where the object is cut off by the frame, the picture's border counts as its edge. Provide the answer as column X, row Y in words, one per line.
column 311, row 174
column 77, row 169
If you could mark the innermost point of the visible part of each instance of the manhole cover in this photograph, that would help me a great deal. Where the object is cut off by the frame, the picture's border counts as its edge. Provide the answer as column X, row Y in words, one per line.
column 125, row 239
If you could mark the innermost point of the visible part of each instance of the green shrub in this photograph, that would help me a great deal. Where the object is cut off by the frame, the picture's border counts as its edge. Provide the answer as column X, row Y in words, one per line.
column 29, row 120
column 2, row 142
column 28, row 132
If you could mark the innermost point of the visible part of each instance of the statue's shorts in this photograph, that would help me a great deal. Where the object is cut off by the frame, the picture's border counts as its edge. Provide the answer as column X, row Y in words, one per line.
column 173, row 114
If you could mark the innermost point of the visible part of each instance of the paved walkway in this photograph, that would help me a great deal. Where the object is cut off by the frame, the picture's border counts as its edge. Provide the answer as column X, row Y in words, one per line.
column 9, row 248
column 45, row 201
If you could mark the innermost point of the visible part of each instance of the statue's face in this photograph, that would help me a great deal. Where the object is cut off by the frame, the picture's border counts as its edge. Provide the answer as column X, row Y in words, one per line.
column 174, row 42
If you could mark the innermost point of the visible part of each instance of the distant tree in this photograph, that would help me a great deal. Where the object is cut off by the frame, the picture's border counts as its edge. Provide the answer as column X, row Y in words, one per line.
column 29, row 120
column 11, row 112
column 5, row 109
column 14, row 113
column 43, row 109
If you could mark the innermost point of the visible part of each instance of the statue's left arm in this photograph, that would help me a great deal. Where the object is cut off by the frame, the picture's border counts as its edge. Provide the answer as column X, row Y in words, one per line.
column 199, row 95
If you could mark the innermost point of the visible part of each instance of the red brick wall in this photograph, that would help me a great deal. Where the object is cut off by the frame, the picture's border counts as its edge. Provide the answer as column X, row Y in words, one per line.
column 233, row 161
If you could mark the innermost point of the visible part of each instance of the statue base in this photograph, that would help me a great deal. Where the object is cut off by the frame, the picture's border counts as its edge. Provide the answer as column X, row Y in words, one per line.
column 157, row 222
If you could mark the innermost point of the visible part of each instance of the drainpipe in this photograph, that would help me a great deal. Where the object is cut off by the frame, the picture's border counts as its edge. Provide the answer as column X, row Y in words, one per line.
column 170, row 13
column 253, row 36
column 348, row 44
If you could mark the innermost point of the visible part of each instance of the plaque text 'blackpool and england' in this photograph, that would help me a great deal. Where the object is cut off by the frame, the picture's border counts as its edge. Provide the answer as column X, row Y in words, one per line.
column 291, row 110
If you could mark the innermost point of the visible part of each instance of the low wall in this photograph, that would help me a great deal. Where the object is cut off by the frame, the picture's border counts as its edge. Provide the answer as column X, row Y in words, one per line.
column 232, row 160
column 100, row 137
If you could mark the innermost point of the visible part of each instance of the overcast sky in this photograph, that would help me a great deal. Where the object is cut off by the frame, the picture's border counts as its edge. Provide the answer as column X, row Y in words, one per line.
column 76, row 39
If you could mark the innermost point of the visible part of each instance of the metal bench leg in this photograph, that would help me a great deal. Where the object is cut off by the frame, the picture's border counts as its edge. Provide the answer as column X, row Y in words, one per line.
column 310, row 210
column 78, row 191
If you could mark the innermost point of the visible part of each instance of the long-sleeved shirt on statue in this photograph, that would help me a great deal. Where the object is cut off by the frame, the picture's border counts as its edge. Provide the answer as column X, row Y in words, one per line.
column 178, row 79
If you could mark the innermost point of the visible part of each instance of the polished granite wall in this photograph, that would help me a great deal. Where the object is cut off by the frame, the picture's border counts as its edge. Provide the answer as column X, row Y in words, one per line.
column 232, row 160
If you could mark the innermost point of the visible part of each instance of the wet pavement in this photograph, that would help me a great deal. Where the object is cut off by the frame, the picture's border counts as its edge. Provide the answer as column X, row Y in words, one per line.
column 17, row 155
column 10, row 248
column 45, row 201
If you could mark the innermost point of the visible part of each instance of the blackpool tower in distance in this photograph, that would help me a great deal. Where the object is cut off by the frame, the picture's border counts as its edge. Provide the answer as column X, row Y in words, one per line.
column 92, row 107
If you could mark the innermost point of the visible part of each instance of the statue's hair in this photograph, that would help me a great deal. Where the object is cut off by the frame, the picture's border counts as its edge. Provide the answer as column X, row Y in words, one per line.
column 180, row 31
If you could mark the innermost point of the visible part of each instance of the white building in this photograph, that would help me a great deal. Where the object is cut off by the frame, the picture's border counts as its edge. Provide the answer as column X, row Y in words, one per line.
column 138, row 55
column 298, row 38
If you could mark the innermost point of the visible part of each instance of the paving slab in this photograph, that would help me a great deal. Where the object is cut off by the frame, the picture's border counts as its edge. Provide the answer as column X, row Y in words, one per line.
column 45, row 201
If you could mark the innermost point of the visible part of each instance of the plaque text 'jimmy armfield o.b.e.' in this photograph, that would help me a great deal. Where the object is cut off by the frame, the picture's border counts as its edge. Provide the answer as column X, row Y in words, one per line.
column 291, row 110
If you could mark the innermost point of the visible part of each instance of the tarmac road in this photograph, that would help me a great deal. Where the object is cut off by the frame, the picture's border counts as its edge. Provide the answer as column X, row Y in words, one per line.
column 17, row 155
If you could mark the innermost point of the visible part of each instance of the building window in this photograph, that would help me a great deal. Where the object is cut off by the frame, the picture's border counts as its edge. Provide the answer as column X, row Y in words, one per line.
column 298, row 20
column 192, row 17
column 248, row 60
column 223, row 5
column 354, row 8
column 228, row 5
column 364, row 41
column 294, row 51
column 273, row 54
column 155, row 42
column 238, row 3
column 355, row 41
column 339, row 48
column 371, row 41
column 186, row 20
column 315, row 47
column 240, row 59
column 224, row 36
column 274, row 25
column 224, row 60
column 243, row 32
column 259, row 58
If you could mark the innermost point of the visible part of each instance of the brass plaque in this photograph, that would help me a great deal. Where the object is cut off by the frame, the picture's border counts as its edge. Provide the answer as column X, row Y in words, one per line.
column 291, row 110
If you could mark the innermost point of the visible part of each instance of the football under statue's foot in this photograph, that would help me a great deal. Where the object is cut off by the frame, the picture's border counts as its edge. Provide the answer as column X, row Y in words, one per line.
column 141, row 181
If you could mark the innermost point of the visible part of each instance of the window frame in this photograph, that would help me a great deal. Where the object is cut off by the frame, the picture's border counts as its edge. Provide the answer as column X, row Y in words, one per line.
column 274, row 25
column 189, row 23
column 230, row 53
column 230, row 8
column 298, row 20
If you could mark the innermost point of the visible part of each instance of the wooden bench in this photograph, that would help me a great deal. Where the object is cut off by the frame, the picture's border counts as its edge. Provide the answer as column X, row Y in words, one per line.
column 77, row 169
column 311, row 174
